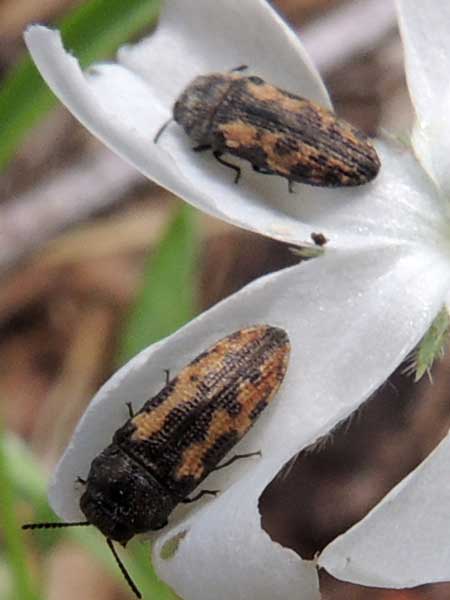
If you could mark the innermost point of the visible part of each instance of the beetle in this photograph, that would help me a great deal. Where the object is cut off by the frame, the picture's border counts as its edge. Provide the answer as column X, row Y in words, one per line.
column 278, row 132
column 165, row 450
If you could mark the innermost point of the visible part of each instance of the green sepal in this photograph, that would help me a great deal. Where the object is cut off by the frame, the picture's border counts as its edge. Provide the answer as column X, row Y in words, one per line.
column 433, row 344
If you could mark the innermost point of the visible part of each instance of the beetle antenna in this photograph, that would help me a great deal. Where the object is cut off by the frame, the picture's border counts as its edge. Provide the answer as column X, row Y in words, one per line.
column 123, row 569
column 161, row 129
column 239, row 68
column 54, row 525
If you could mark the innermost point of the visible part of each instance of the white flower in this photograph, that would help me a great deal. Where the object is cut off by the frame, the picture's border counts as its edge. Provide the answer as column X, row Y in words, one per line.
column 352, row 315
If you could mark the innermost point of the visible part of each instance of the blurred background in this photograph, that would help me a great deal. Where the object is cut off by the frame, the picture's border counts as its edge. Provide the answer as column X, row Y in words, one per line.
column 96, row 262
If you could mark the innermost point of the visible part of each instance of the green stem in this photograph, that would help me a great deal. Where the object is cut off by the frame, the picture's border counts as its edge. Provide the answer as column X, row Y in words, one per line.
column 92, row 31
column 167, row 299
column 15, row 548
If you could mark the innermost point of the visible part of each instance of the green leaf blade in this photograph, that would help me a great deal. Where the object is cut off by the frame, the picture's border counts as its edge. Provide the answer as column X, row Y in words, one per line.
column 11, row 533
column 93, row 32
column 167, row 299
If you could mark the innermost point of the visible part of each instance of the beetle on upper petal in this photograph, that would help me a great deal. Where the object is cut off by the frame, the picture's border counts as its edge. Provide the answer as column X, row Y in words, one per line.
column 278, row 132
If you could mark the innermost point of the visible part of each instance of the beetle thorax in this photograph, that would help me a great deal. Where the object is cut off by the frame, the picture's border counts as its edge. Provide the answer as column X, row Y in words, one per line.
column 196, row 106
column 123, row 499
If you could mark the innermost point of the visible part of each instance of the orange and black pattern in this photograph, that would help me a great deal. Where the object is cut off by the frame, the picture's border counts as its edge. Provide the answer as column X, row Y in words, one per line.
column 185, row 430
column 279, row 133
column 180, row 435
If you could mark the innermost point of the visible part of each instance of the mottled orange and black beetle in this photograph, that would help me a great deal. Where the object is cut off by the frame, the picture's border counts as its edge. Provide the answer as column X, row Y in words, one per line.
column 279, row 133
column 164, row 451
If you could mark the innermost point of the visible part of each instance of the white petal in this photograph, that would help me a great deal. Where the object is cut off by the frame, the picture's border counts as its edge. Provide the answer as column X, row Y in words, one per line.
column 194, row 37
column 352, row 317
column 401, row 206
column 425, row 26
column 125, row 104
column 123, row 110
column 223, row 552
column 403, row 542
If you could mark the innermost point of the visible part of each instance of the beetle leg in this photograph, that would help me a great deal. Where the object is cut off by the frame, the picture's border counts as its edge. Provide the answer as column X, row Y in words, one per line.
column 200, row 495
column 235, row 458
column 160, row 526
column 218, row 157
column 240, row 68
column 201, row 148
column 262, row 170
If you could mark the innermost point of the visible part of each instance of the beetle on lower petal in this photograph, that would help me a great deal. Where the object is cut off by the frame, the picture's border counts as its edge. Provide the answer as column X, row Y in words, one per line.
column 165, row 450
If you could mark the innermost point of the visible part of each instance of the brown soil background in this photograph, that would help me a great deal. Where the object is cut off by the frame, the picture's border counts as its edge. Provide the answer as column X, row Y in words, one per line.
column 62, row 306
